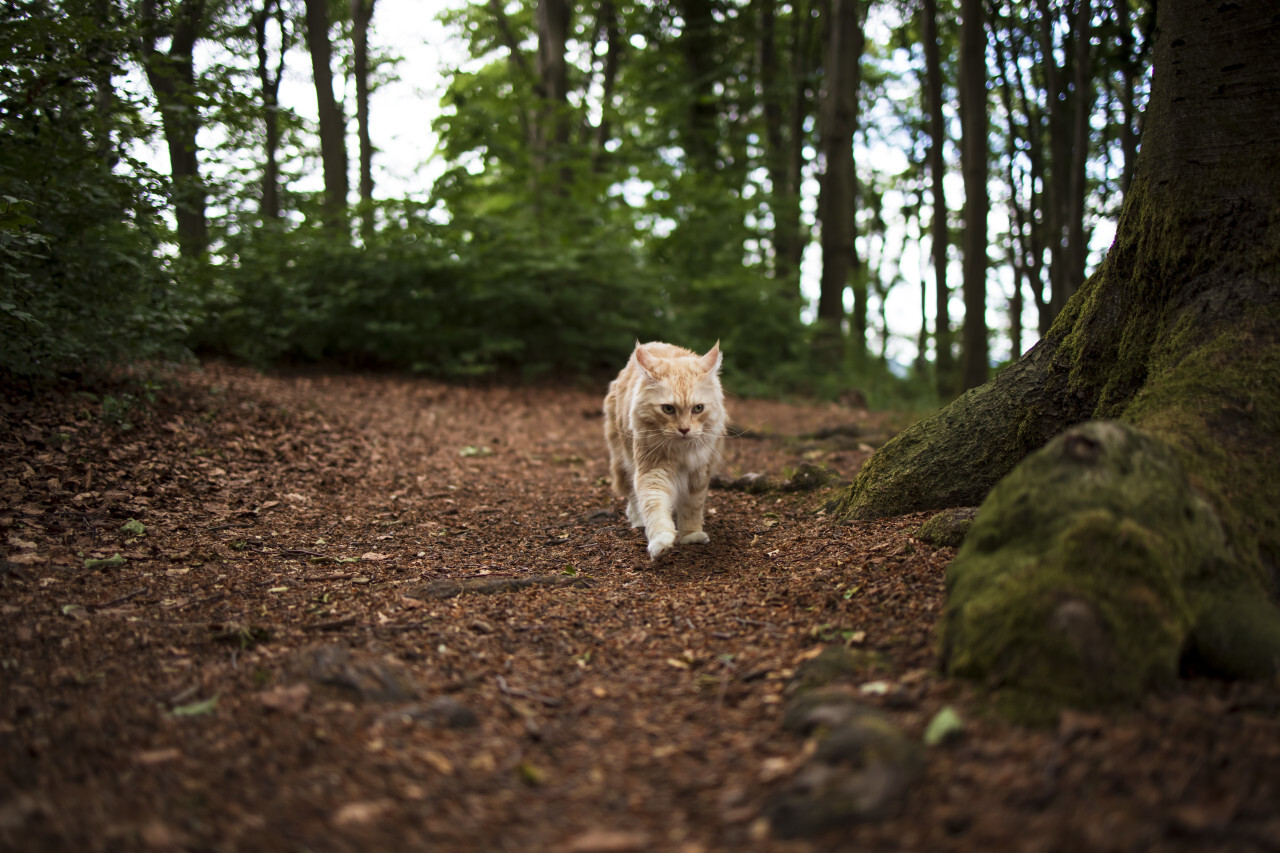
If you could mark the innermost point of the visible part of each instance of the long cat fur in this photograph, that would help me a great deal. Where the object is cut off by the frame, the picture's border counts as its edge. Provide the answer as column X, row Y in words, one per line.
column 664, row 421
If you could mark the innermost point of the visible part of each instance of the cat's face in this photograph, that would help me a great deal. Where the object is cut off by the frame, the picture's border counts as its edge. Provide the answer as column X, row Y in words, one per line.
column 680, row 397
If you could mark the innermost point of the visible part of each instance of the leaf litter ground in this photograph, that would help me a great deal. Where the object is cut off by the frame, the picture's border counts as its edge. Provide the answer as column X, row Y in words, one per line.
column 337, row 612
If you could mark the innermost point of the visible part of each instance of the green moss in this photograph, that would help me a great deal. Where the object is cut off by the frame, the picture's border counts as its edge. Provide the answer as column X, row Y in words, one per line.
column 948, row 528
column 1216, row 403
column 950, row 458
column 1071, row 586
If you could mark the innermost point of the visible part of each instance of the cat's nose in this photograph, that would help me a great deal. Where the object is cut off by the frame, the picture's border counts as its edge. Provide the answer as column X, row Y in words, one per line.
column 684, row 430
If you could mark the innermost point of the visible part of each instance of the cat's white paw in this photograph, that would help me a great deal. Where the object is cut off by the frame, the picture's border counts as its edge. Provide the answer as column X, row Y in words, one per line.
column 695, row 538
column 661, row 544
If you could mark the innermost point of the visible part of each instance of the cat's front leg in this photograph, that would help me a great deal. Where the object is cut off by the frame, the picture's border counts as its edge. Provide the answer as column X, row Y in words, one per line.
column 689, row 511
column 634, row 515
column 654, row 492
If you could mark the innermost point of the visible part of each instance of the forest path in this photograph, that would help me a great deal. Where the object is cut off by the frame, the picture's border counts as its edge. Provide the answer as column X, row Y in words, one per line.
column 277, row 659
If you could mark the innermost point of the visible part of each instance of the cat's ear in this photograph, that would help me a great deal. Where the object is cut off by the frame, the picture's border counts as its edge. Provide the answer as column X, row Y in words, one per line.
column 645, row 360
column 710, row 362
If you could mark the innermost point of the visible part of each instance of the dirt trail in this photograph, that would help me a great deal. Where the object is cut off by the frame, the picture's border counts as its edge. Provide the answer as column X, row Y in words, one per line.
column 390, row 614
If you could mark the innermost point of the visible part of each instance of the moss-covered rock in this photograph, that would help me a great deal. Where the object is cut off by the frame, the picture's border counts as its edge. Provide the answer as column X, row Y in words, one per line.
column 948, row 528
column 1087, row 574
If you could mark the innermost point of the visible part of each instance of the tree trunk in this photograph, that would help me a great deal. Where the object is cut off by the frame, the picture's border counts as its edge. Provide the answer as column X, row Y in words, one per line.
column 171, row 75
column 333, row 131
column 777, row 154
column 838, row 121
column 361, row 15
column 1133, row 56
column 269, row 91
column 553, row 73
column 102, row 56
column 806, row 58
column 697, row 47
column 1177, row 335
column 1077, row 249
column 607, row 22
column 973, row 163
column 944, row 365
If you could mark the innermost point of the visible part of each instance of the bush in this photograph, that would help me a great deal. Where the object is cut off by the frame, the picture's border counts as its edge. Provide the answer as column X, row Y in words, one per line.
column 81, row 279
column 471, row 298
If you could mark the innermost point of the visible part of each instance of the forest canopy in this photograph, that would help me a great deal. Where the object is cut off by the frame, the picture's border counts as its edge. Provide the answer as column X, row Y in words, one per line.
column 778, row 176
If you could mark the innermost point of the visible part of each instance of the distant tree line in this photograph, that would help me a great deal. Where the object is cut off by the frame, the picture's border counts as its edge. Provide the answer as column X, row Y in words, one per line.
column 751, row 171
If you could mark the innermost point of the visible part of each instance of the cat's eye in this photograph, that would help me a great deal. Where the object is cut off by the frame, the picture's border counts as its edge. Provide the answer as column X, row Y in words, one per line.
column 697, row 410
column 668, row 409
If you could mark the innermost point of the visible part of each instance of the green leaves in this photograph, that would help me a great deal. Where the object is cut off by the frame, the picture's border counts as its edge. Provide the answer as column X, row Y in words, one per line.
column 112, row 562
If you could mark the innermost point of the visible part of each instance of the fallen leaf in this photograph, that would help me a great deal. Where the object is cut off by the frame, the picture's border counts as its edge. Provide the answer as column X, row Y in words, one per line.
column 196, row 709
column 286, row 699
column 106, row 563
column 360, row 813
column 158, row 756
column 946, row 725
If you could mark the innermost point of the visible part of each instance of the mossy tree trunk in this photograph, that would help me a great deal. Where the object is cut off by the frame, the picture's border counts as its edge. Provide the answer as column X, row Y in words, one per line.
column 1176, row 334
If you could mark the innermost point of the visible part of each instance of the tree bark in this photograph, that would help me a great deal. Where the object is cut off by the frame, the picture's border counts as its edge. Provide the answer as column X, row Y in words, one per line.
column 973, row 163
column 1177, row 335
column 697, row 47
column 361, row 16
column 777, row 153
column 939, row 239
column 333, row 131
column 838, row 122
column 171, row 75
column 1077, row 236
column 269, row 91
column 552, row 122
column 606, row 22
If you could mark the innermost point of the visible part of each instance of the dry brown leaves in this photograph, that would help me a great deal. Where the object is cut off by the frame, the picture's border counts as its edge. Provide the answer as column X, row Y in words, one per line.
column 252, row 664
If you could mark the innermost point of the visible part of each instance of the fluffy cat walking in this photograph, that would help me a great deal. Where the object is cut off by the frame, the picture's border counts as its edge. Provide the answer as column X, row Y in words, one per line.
column 663, row 421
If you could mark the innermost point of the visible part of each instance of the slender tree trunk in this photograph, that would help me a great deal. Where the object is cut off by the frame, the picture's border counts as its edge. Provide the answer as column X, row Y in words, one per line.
column 102, row 55
column 838, row 122
column 607, row 21
column 361, row 15
column 806, row 57
column 553, row 111
column 697, row 47
column 1019, row 226
column 973, row 156
column 1076, row 255
column 777, row 154
column 269, row 91
column 1033, row 227
column 172, row 78
column 944, row 363
column 1135, row 48
column 333, row 140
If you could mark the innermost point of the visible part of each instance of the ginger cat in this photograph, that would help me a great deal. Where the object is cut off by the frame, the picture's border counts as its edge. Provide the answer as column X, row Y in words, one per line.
column 664, row 420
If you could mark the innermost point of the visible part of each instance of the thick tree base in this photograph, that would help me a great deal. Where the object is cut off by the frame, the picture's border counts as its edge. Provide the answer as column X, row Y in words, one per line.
column 1089, row 572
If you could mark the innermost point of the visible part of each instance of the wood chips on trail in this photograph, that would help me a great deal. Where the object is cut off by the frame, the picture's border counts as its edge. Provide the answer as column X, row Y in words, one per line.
column 335, row 612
